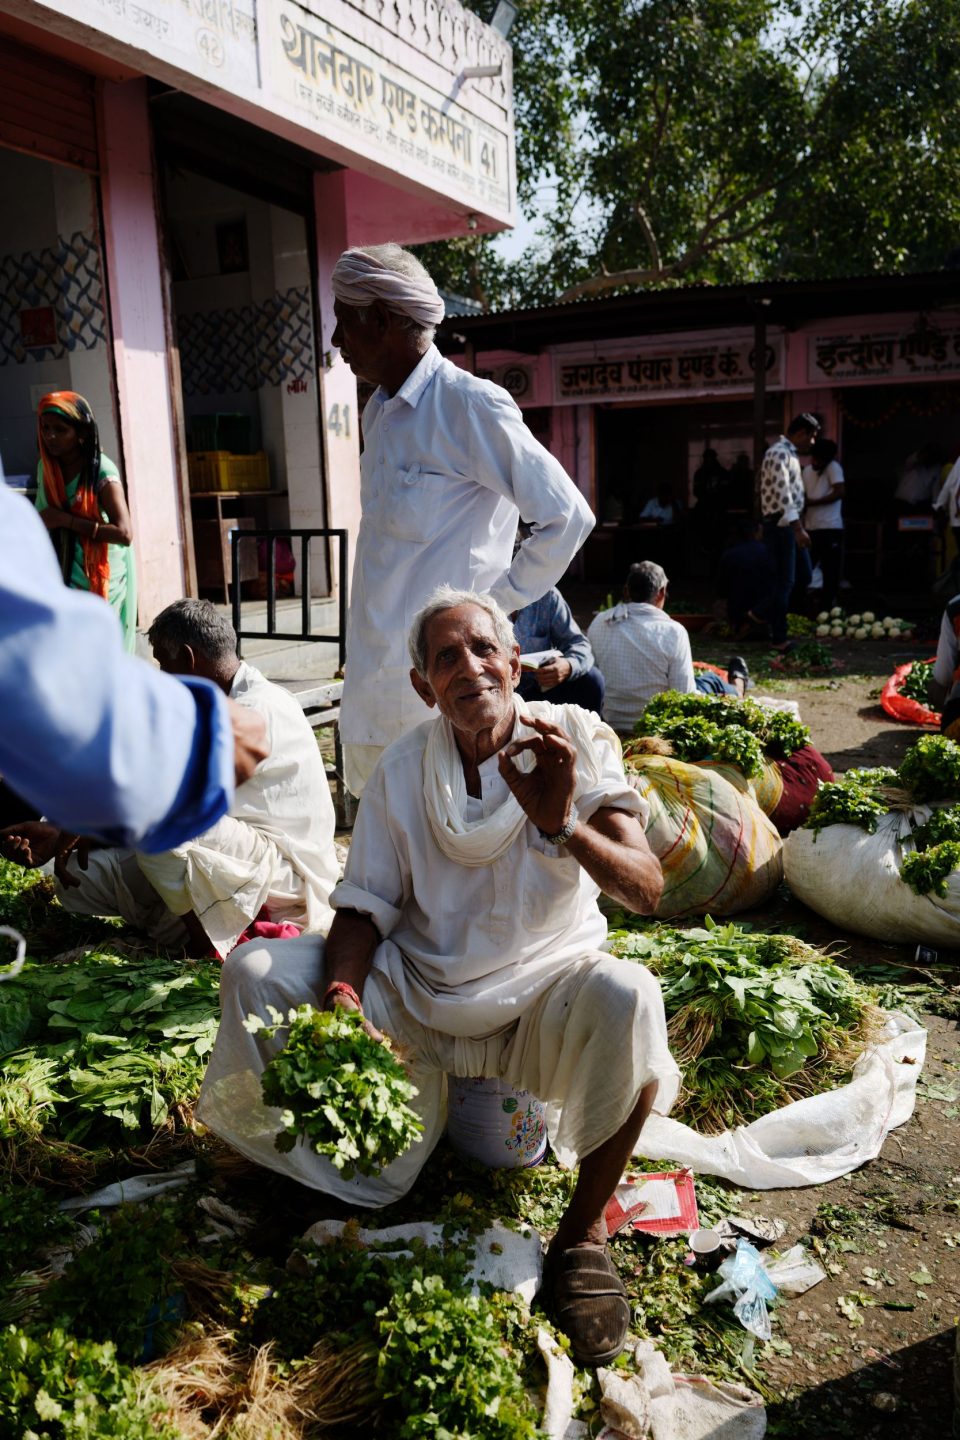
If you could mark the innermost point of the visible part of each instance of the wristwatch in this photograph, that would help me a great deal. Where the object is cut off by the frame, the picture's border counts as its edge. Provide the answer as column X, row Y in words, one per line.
column 562, row 836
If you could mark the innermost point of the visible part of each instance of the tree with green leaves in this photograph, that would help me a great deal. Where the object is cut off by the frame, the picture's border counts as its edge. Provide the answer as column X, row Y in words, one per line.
column 724, row 141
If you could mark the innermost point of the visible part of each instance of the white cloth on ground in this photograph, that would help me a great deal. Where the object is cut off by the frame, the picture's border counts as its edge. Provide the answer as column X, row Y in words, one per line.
column 587, row 1046
column 448, row 466
column 469, row 948
column 809, row 1141
column 640, row 652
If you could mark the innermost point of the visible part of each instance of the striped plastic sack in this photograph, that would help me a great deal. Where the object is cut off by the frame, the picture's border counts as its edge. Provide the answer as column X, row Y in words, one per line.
column 719, row 852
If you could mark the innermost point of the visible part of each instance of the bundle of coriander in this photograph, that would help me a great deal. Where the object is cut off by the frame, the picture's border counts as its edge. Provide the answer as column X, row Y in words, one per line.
column 755, row 1021
column 346, row 1094
column 929, row 774
column 722, row 728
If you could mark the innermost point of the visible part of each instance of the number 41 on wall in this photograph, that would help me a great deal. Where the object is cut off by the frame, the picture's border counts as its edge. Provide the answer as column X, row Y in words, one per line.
column 338, row 420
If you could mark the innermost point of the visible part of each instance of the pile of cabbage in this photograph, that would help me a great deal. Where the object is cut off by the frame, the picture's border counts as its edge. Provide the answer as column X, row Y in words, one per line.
column 835, row 624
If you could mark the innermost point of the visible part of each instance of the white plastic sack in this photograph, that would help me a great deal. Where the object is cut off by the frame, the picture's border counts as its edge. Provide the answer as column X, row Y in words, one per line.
column 651, row 1401
column 853, row 879
column 814, row 1140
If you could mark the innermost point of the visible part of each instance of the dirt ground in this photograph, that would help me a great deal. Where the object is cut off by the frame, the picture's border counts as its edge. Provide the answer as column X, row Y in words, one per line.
column 869, row 1351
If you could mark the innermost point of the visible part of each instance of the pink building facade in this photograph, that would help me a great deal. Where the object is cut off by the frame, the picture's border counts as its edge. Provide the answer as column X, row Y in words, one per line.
column 181, row 176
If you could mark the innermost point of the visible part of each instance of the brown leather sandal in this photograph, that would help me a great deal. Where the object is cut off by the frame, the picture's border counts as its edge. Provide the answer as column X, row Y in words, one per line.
column 588, row 1302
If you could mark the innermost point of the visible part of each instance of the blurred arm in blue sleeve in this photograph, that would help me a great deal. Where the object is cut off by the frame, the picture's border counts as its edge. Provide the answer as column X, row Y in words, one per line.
column 100, row 742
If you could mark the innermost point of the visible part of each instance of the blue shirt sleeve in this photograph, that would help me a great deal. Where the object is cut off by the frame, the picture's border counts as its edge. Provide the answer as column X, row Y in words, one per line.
column 101, row 743
column 566, row 635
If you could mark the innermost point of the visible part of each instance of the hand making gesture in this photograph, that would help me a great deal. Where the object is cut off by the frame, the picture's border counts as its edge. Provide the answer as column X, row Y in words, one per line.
column 545, row 792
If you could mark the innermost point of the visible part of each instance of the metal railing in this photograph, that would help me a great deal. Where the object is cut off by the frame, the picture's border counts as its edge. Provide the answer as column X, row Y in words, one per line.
column 240, row 537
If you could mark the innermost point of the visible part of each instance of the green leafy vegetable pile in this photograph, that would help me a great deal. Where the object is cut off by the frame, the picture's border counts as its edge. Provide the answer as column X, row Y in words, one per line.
column 809, row 656
column 928, row 870
column 56, row 1387
column 115, row 1287
column 444, row 1361
column 774, row 733
column 110, row 1044
column 846, row 802
column 915, row 682
column 930, row 770
column 777, row 733
column 346, row 1094
column 754, row 1020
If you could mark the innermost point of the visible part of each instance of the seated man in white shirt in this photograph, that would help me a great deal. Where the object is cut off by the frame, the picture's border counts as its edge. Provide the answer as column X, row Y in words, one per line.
column 467, row 929
column 641, row 652
column 270, row 858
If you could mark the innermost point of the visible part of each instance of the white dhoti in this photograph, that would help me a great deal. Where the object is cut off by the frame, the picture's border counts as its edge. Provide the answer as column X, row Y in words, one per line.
column 114, row 884
column 587, row 1047
column 226, row 877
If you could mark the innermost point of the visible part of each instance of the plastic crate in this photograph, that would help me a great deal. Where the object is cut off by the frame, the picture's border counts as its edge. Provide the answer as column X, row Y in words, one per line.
column 214, row 470
column 230, row 432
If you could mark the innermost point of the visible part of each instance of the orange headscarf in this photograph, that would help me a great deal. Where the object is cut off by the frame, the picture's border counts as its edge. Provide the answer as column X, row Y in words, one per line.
column 75, row 410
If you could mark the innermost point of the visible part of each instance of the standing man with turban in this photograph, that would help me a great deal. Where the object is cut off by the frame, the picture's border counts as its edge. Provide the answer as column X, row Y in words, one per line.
column 448, row 469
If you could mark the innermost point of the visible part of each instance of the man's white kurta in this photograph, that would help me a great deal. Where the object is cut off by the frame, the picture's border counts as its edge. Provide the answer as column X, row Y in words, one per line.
column 447, row 465
column 468, row 949
column 276, row 846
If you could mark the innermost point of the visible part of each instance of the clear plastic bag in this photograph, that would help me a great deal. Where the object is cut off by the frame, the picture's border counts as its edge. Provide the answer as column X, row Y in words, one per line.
column 747, row 1282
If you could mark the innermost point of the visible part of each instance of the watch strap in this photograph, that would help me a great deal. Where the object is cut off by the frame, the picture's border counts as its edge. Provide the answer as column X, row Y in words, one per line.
column 562, row 836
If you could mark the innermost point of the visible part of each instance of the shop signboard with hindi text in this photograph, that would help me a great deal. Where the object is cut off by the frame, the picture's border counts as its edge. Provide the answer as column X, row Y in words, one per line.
column 217, row 38
column 333, row 79
column 389, row 89
column 667, row 370
column 914, row 349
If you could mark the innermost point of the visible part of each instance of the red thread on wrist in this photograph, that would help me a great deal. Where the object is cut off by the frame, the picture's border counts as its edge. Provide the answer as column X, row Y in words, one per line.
column 340, row 987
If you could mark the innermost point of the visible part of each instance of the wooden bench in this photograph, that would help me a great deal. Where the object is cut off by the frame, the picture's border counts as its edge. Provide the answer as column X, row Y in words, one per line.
column 321, row 705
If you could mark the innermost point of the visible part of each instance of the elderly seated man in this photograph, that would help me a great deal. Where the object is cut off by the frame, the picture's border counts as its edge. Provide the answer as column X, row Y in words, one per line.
column 467, row 929
column 642, row 652
column 271, row 858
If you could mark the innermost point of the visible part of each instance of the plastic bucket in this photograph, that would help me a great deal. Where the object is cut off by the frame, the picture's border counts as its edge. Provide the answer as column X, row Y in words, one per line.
column 489, row 1121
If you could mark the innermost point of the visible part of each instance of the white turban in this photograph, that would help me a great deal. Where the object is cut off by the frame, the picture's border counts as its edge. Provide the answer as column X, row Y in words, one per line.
column 359, row 279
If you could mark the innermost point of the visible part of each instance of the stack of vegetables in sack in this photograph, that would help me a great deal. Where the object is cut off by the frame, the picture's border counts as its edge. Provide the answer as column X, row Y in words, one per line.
column 880, row 852
column 755, row 1021
column 718, row 851
column 753, row 746
column 904, row 696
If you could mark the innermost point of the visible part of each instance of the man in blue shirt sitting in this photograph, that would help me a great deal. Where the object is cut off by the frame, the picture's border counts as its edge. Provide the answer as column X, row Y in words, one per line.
column 570, row 677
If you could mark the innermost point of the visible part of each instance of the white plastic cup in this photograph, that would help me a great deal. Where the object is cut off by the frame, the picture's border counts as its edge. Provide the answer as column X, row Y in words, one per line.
column 705, row 1245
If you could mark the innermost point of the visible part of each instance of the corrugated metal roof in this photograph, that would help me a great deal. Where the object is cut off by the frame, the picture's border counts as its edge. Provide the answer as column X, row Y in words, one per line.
column 702, row 305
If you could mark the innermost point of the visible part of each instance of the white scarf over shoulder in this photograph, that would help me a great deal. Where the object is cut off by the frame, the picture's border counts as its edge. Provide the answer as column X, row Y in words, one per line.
column 479, row 842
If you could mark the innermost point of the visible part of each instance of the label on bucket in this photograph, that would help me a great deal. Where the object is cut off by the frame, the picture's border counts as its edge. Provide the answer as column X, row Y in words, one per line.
column 489, row 1121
